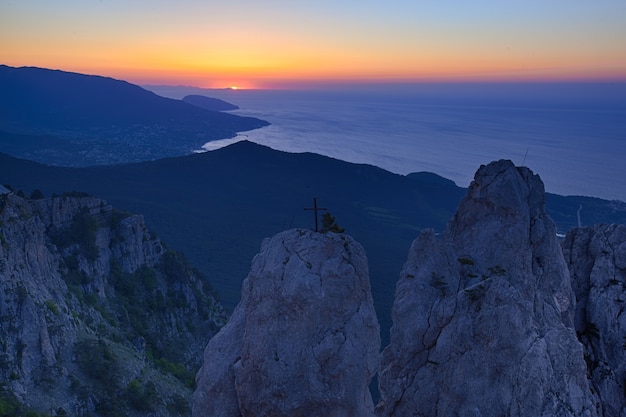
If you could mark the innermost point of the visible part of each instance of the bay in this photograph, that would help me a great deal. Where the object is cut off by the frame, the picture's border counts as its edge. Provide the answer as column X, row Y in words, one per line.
column 572, row 135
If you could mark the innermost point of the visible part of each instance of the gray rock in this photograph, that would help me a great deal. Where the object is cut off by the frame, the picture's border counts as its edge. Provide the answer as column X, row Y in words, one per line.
column 75, row 275
column 215, row 393
column 483, row 314
column 596, row 258
column 303, row 341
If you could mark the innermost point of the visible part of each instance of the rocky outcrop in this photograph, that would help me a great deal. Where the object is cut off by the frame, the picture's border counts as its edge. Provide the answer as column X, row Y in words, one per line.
column 597, row 262
column 303, row 341
column 483, row 318
column 97, row 316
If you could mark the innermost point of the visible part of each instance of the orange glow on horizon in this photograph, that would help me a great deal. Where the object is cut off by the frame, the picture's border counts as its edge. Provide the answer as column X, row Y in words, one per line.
column 241, row 81
column 253, row 46
column 295, row 77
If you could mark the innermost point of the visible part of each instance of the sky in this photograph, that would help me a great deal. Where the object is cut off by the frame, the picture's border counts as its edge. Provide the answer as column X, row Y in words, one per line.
column 296, row 43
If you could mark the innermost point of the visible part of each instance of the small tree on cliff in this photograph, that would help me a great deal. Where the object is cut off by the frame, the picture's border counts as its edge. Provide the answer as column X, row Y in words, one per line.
column 329, row 224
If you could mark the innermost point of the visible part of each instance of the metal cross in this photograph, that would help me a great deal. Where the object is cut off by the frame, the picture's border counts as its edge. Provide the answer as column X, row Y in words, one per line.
column 315, row 210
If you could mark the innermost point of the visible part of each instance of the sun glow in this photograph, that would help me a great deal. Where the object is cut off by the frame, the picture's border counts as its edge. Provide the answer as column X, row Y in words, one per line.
column 226, row 46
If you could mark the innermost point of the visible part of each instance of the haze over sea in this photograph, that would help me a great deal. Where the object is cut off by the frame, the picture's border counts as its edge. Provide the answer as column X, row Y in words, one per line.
column 572, row 135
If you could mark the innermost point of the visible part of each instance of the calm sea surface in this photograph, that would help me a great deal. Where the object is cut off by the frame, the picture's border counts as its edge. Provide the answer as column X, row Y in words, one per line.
column 573, row 136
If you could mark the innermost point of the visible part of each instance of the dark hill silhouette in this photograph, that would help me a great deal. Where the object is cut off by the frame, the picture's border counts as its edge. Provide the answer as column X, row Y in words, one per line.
column 105, row 120
column 216, row 207
column 209, row 103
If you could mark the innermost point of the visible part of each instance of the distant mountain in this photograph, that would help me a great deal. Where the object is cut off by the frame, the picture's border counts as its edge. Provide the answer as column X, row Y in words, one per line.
column 209, row 103
column 216, row 207
column 89, row 120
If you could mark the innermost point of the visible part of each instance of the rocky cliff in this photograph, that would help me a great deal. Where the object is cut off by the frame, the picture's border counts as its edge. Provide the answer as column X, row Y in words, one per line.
column 492, row 317
column 97, row 316
column 597, row 262
column 483, row 317
column 303, row 341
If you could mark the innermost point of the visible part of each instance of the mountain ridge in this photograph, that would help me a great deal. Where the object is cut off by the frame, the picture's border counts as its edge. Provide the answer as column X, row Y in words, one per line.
column 95, row 120
column 216, row 206
column 209, row 103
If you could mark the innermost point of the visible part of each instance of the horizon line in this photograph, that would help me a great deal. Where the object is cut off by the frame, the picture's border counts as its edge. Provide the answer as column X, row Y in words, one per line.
column 239, row 82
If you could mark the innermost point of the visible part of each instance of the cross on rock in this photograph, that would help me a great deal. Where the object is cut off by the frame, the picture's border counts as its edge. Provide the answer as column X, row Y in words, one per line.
column 315, row 210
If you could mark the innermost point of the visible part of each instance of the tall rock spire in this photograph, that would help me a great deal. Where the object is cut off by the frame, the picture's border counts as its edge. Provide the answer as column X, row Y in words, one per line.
column 303, row 341
column 483, row 314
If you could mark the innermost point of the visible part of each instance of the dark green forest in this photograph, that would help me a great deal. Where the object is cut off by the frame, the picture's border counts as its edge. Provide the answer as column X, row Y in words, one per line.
column 217, row 207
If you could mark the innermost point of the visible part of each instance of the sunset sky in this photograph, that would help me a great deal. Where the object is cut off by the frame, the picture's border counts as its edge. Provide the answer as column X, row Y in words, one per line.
column 296, row 43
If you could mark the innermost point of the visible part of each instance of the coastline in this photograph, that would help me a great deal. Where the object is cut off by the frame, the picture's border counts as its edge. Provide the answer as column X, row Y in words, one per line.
column 577, row 151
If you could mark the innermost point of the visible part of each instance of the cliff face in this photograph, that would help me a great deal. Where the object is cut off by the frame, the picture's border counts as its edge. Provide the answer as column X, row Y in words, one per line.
column 488, row 320
column 483, row 318
column 303, row 341
column 96, row 315
column 597, row 262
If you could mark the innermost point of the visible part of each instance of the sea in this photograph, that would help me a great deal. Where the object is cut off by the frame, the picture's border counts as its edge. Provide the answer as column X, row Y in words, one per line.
column 572, row 134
